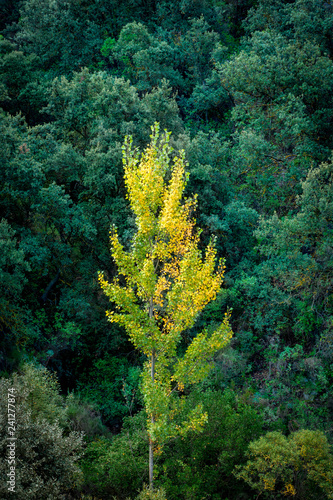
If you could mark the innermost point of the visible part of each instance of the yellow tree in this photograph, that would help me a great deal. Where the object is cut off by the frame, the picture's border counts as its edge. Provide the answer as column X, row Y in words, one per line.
column 163, row 283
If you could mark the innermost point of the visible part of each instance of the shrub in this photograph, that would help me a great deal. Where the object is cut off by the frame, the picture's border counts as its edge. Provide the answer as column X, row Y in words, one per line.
column 148, row 494
column 118, row 466
column 300, row 465
column 201, row 465
column 112, row 386
column 84, row 417
column 45, row 459
column 198, row 466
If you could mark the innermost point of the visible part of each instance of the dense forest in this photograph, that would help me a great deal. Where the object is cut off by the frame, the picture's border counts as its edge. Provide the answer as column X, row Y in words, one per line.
column 203, row 127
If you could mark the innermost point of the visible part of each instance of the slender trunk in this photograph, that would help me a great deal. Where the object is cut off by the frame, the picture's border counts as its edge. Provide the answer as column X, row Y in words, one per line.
column 151, row 443
column 151, row 464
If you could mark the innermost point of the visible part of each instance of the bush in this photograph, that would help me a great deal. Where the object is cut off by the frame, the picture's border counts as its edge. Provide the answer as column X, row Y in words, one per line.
column 45, row 459
column 148, row 494
column 84, row 417
column 201, row 465
column 118, row 466
column 198, row 466
column 112, row 385
column 300, row 465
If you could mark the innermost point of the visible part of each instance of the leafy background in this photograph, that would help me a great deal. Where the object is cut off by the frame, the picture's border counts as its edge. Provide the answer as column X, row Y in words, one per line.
column 245, row 87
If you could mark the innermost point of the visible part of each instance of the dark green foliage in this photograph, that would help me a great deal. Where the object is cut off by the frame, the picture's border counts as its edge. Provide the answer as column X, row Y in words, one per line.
column 202, row 464
column 20, row 75
column 84, row 417
column 209, row 100
column 54, row 31
column 9, row 13
column 46, row 459
column 187, row 468
column 118, row 466
column 12, row 264
column 246, row 89
column 284, row 109
column 303, row 20
column 113, row 386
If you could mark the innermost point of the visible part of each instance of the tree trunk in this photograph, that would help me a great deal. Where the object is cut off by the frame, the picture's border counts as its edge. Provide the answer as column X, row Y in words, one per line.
column 151, row 464
column 151, row 443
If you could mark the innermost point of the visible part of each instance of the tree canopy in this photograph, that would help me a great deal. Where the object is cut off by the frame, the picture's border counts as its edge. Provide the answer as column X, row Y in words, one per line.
column 224, row 220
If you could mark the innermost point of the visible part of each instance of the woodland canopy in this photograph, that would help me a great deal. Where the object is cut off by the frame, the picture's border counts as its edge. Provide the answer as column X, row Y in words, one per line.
column 244, row 89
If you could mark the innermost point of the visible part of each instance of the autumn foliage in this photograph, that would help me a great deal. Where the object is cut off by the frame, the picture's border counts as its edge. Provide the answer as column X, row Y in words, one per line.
column 163, row 282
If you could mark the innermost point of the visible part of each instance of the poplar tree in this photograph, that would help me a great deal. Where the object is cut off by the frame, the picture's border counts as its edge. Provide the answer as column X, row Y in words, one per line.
column 163, row 282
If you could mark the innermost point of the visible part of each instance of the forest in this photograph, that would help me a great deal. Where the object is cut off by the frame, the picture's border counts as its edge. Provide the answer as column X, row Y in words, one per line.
column 166, row 249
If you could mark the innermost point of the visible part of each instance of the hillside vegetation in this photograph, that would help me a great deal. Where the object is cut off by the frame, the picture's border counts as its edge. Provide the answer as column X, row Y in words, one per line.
column 197, row 134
